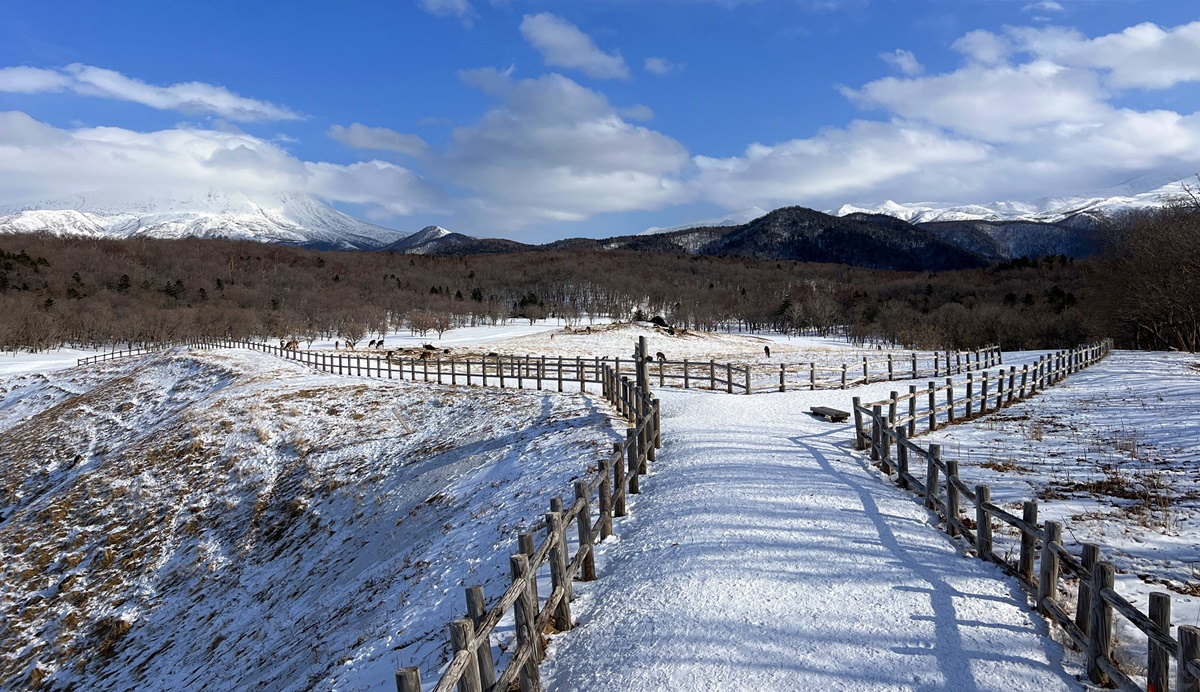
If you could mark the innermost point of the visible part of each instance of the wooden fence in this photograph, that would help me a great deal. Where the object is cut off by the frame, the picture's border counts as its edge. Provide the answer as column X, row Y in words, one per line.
column 556, row 371
column 938, row 405
column 113, row 355
column 472, row 667
column 1041, row 559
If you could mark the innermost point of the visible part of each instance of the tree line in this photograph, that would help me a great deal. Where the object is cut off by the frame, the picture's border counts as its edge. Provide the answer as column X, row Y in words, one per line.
column 98, row 293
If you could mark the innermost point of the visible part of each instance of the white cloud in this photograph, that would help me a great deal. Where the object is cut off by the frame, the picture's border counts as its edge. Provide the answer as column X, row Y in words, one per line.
column 31, row 80
column 904, row 61
column 661, row 66
column 39, row 161
column 185, row 97
column 1142, row 56
column 993, row 103
column 359, row 136
column 449, row 8
column 991, row 129
column 1043, row 6
column 562, row 44
column 983, row 47
column 836, row 164
column 555, row 150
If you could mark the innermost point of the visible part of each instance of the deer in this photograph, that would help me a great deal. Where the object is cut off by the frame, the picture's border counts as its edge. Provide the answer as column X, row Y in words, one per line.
column 293, row 345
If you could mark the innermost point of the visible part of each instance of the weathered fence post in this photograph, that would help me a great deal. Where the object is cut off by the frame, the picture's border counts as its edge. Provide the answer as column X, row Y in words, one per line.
column 1083, row 606
column 1189, row 651
column 983, row 393
column 931, row 476
column 866, row 371
column 912, row 410
column 951, row 497
column 1024, row 379
column 525, row 622
column 634, row 463
column 843, row 375
column 876, row 432
column 891, row 373
column 949, row 400
column 618, row 480
column 408, row 680
column 1158, row 659
column 526, row 547
column 477, row 611
column 812, row 377
column 1048, row 569
column 1100, row 636
column 729, row 378
column 606, row 510
column 1029, row 511
column 461, row 634
column 558, row 570
column 901, row 459
column 970, row 394
column 983, row 523
column 859, row 444
column 583, row 525
column 932, row 407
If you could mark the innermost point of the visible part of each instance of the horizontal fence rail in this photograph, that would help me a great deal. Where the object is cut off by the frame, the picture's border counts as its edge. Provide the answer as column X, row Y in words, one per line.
column 925, row 409
column 597, row 502
column 1042, row 560
column 539, row 372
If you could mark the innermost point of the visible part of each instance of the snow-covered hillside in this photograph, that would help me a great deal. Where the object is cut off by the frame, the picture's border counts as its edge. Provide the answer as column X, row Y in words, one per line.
column 227, row 520
column 1139, row 193
column 295, row 219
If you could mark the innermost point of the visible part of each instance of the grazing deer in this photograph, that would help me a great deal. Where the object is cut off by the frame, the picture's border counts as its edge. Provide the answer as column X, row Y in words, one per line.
column 660, row 356
column 293, row 345
column 430, row 347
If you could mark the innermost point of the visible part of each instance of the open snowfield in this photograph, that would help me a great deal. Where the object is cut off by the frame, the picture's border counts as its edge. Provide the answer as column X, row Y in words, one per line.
column 1113, row 453
column 226, row 519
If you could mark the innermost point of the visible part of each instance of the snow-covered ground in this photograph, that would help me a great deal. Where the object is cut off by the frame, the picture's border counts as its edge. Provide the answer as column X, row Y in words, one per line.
column 1113, row 453
column 235, row 520
column 764, row 554
column 229, row 520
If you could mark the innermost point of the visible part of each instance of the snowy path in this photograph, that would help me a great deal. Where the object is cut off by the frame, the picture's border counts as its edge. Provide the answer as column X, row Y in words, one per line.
column 762, row 555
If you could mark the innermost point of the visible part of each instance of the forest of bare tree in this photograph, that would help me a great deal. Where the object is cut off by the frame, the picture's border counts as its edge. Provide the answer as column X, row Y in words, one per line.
column 97, row 293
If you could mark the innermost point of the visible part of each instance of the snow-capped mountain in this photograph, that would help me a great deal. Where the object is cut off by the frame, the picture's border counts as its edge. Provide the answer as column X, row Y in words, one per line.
column 290, row 218
column 1138, row 193
column 737, row 218
column 431, row 240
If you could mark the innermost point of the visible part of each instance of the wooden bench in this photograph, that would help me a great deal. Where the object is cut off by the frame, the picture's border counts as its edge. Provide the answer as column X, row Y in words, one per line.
column 832, row 415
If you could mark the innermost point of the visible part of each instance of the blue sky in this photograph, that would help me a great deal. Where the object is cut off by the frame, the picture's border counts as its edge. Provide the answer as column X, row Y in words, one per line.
column 539, row 120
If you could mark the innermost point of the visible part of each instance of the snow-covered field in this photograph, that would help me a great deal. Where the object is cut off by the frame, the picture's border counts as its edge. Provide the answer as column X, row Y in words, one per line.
column 225, row 520
column 228, row 520
column 1113, row 453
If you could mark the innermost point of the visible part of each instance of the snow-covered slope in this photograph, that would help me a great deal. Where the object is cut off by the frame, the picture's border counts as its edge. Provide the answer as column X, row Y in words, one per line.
column 737, row 218
column 1139, row 193
column 226, row 520
column 295, row 219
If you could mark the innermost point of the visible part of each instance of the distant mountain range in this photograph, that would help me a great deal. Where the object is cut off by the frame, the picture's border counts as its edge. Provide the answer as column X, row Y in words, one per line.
column 293, row 219
column 912, row 236
column 1138, row 193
